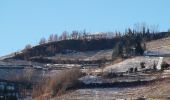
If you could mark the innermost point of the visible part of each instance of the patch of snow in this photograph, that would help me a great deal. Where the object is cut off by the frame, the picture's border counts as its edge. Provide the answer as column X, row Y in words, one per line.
column 132, row 63
column 91, row 79
column 159, row 63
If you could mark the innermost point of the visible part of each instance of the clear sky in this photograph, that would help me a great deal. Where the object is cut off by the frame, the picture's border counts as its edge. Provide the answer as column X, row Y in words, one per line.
column 26, row 21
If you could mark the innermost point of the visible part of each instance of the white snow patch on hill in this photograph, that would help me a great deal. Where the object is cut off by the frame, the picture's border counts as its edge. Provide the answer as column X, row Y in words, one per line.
column 132, row 63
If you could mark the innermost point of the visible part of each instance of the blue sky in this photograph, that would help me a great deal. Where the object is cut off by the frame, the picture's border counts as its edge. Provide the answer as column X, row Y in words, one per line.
column 26, row 21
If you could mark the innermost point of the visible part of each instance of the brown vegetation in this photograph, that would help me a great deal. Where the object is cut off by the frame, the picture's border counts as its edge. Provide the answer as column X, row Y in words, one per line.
column 56, row 85
column 26, row 75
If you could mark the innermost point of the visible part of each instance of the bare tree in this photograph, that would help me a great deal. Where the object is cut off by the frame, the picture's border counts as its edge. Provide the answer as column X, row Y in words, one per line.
column 28, row 46
column 169, row 30
column 55, row 37
column 154, row 28
column 60, row 38
column 51, row 38
column 42, row 41
column 65, row 35
column 144, row 28
column 74, row 35
column 141, row 27
column 80, row 35
column 84, row 35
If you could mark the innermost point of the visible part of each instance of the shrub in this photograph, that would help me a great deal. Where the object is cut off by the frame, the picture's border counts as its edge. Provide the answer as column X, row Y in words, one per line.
column 142, row 64
column 57, row 84
column 164, row 66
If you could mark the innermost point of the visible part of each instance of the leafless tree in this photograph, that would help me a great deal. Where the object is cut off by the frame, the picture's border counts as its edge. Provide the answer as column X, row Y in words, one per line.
column 74, row 35
column 65, row 35
column 60, row 38
column 80, row 35
column 169, row 30
column 144, row 28
column 28, row 46
column 154, row 28
column 42, row 41
column 140, row 27
column 51, row 38
column 55, row 37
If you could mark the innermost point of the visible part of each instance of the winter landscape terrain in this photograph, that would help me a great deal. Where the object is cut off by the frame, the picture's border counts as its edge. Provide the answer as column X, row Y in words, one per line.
column 136, row 77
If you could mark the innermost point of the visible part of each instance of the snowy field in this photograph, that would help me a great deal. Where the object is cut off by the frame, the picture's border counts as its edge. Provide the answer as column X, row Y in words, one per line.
column 132, row 63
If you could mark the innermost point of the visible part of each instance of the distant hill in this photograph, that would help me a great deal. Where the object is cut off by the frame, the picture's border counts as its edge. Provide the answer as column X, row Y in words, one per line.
column 66, row 46
column 7, row 56
column 75, row 47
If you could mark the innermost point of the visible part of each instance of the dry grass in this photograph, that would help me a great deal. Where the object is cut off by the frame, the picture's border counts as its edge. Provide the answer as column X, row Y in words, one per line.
column 26, row 75
column 24, row 80
column 118, row 60
column 160, row 89
column 158, row 43
column 56, row 85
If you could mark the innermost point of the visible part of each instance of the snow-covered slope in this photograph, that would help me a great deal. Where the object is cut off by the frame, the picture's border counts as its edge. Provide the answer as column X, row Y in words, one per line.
column 132, row 63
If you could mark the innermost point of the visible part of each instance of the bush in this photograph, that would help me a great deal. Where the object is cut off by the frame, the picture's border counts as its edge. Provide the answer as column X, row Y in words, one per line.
column 142, row 64
column 58, row 84
column 164, row 66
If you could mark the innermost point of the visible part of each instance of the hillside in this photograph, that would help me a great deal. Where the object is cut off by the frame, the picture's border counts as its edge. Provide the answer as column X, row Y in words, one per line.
column 87, row 55
column 73, row 47
column 155, row 91
column 83, row 49
column 160, row 46
column 92, row 62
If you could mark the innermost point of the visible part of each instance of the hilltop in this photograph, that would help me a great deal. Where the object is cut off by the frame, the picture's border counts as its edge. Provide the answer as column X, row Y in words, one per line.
column 82, row 48
column 91, row 47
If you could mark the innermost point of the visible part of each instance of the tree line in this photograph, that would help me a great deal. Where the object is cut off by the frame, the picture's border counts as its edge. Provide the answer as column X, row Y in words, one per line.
column 83, row 35
column 131, row 42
